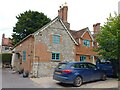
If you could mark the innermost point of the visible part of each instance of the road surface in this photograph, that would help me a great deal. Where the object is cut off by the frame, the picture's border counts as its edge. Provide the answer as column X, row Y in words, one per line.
column 16, row 80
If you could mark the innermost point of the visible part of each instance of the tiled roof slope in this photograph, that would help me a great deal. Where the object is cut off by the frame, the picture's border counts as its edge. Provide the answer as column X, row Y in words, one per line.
column 77, row 34
column 6, row 42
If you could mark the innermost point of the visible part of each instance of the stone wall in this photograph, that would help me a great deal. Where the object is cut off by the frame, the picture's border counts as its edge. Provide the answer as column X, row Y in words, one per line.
column 44, row 69
column 44, row 48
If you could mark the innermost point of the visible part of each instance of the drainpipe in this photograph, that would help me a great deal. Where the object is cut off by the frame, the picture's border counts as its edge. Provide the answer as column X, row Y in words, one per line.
column 33, row 57
column 37, row 66
column 94, row 59
column 13, row 58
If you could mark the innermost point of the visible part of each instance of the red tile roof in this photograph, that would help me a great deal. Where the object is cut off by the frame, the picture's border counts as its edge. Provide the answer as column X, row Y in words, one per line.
column 77, row 34
column 6, row 42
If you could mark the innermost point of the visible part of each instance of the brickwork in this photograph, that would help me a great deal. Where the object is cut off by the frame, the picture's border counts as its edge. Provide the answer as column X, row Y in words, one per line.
column 83, row 50
column 26, row 45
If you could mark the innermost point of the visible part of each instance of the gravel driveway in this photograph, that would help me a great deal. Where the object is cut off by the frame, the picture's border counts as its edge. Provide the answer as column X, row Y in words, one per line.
column 10, row 80
column 48, row 82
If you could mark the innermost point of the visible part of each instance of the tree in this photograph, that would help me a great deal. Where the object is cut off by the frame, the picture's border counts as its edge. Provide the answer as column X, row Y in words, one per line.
column 109, row 39
column 28, row 22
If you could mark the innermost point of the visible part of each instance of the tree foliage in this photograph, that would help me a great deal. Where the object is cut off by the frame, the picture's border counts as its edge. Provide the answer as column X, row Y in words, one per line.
column 109, row 41
column 28, row 22
column 108, row 38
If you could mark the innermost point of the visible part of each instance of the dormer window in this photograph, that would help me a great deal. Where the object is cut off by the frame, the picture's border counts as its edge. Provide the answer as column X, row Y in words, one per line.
column 86, row 43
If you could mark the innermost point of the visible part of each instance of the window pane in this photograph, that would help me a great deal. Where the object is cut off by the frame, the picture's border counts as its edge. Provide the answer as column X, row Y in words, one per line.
column 91, row 66
column 24, row 55
column 86, row 43
column 62, row 65
column 57, row 56
column 53, row 56
column 82, row 58
column 56, row 39
column 6, row 48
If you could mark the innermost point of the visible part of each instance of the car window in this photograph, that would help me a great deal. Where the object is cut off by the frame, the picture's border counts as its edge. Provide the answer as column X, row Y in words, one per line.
column 62, row 65
column 91, row 66
column 81, row 65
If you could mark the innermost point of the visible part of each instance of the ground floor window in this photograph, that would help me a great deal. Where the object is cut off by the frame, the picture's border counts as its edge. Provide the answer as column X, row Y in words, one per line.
column 24, row 56
column 55, row 56
column 83, row 58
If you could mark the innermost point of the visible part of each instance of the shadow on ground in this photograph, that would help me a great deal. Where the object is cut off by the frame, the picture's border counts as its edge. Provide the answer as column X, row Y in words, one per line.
column 71, row 85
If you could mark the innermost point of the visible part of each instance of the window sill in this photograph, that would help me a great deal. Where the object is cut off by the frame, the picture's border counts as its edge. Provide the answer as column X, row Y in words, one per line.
column 55, row 60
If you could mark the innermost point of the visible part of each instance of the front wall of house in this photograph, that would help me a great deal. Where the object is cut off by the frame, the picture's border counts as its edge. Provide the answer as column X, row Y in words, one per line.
column 26, row 46
column 44, row 47
column 84, row 50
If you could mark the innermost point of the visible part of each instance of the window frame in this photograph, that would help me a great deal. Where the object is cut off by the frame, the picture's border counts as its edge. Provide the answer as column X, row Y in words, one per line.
column 86, row 43
column 56, row 39
column 83, row 56
column 91, row 66
column 24, row 55
column 55, row 56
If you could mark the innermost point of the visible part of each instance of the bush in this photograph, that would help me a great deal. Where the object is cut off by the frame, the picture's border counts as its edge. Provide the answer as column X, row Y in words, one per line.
column 6, row 58
column 119, row 76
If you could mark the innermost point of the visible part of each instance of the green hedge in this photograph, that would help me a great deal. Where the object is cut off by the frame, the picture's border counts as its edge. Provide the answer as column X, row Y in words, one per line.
column 119, row 76
column 6, row 57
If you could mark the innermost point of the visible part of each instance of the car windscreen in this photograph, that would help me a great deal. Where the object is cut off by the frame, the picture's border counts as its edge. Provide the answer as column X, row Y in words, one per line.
column 62, row 65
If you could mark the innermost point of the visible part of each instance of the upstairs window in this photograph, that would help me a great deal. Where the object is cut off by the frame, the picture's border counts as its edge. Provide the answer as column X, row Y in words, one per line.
column 55, row 56
column 56, row 39
column 86, row 43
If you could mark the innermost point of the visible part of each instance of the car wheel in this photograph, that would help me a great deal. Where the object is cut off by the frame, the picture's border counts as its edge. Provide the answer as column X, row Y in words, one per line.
column 77, row 81
column 104, row 77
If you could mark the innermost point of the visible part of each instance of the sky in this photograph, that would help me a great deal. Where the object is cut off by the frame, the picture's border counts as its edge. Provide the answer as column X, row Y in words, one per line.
column 81, row 13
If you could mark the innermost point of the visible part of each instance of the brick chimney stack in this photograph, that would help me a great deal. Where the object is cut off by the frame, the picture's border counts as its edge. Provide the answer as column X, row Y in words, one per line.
column 63, row 14
column 65, row 10
column 96, row 28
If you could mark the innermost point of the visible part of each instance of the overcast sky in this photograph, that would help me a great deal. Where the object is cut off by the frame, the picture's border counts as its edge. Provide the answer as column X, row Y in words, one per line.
column 81, row 13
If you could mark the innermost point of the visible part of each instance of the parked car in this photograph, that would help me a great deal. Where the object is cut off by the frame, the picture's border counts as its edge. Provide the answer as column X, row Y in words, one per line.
column 108, row 67
column 77, row 72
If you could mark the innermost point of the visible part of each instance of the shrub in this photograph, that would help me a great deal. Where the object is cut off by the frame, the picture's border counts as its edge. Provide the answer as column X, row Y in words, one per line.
column 6, row 57
column 119, row 76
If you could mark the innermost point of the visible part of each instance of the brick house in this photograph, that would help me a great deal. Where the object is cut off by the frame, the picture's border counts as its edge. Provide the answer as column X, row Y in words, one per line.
column 40, row 52
column 22, row 52
column 84, row 49
column 6, row 45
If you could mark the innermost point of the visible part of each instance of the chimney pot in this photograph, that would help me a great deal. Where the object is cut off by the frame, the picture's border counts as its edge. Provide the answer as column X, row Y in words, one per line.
column 65, row 3
column 60, row 7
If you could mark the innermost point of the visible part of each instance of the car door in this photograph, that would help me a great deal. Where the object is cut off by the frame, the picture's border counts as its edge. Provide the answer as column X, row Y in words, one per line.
column 82, row 70
column 87, row 74
column 95, row 73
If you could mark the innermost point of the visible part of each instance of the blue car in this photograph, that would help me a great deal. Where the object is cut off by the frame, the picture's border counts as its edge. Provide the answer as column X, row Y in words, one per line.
column 107, row 67
column 77, row 72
